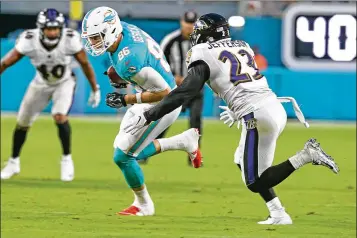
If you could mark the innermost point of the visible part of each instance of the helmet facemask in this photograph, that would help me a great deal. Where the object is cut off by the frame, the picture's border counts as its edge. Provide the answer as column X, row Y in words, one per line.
column 50, row 19
column 50, row 41
column 95, row 44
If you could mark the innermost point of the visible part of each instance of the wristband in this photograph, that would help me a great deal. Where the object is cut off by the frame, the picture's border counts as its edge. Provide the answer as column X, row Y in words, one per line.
column 138, row 97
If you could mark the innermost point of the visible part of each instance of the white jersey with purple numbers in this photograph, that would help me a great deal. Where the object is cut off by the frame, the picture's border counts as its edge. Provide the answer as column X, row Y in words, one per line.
column 234, row 75
column 52, row 66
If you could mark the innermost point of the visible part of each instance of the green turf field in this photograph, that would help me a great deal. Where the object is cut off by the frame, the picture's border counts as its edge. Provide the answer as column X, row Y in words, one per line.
column 209, row 202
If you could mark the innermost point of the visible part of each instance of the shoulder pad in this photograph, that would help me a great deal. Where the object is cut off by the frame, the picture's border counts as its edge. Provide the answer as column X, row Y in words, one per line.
column 25, row 41
column 73, row 41
column 195, row 54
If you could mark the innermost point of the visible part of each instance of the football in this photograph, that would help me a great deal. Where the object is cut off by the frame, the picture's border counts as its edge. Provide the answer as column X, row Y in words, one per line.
column 113, row 76
column 115, row 79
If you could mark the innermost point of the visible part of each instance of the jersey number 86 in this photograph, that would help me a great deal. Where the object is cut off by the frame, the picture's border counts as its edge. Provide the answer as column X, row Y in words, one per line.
column 156, row 51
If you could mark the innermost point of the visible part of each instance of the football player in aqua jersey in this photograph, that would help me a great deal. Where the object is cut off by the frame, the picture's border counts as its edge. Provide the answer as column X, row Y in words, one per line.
column 228, row 67
column 138, row 60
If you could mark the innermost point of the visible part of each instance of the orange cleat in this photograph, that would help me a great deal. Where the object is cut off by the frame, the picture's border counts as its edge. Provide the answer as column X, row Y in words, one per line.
column 196, row 158
column 130, row 211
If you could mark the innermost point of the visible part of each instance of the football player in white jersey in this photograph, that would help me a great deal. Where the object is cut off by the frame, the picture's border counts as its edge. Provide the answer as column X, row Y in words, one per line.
column 228, row 67
column 50, row 48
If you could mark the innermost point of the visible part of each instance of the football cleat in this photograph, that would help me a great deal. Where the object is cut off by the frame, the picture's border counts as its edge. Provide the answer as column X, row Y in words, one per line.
column 67, row 168
column 283, row 220
column 12, row 168
column 130, row 211
column 196, row 158
column 278, row 217
column 138, row 211
column 319, row 157
column 192, row 136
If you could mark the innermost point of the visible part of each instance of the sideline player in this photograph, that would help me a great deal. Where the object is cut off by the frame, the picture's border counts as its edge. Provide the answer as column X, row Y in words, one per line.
column 228, row 67
column 137, row 59
column 50, row 48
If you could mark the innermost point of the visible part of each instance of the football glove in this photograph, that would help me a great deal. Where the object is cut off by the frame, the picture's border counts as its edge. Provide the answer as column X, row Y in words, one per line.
column 115, row 100
column 227, row 116
column 94, row 98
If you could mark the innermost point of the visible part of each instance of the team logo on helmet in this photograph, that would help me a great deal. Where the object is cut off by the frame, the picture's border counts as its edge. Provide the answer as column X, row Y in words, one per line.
column 201, row 25
column 109, row 17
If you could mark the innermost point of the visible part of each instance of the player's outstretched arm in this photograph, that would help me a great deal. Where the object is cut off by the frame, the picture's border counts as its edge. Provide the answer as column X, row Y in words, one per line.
column 82, row 59
column 94, row 98
column 9, row 59
column 198, row 74
column 146, row 97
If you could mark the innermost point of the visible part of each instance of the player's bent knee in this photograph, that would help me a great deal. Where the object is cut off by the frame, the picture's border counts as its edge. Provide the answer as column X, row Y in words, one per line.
column 255, row 186
column 120, row 157
column 21, row 127
column 60, row 118
column 24, row 122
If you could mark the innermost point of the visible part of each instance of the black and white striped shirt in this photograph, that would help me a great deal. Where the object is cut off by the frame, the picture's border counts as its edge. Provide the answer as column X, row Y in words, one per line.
column 175, row 48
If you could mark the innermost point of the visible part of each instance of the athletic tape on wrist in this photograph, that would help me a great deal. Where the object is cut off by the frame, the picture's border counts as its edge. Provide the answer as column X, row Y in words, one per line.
column 138, row 97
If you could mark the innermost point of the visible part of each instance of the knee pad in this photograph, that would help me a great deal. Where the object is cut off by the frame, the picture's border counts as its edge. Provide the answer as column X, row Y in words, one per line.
column 120, row 157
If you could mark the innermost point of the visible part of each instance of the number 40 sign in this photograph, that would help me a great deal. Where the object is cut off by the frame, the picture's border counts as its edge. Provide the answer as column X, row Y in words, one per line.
column 320, row 36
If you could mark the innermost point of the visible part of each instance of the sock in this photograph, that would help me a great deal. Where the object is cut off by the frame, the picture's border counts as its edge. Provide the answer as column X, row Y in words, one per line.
column 268, row 194
column 133, row 174
column 147, row 152
column 129, row 166
column 177, row 142
column 142, row 197
column 275, row 175
column 300, row 159
column 274, row 205
column 64, row 133
column 18, row 140
column 67, row 157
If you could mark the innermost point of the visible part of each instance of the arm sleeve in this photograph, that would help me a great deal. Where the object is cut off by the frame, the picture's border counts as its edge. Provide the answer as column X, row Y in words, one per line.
column 151, row 80
column 198, row 74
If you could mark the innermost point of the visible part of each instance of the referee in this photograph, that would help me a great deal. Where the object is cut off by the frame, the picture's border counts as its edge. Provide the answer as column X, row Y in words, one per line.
column 175, row 47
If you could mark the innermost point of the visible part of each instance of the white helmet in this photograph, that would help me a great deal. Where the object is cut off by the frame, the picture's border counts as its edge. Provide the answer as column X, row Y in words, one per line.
column 101, row 27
